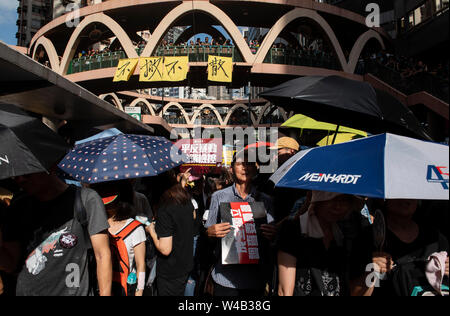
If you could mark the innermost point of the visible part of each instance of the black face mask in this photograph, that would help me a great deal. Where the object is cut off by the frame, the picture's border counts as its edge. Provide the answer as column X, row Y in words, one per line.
column 283, row 158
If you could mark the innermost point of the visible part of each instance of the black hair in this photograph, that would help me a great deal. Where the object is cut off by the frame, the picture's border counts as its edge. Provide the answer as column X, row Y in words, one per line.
column 122, row 207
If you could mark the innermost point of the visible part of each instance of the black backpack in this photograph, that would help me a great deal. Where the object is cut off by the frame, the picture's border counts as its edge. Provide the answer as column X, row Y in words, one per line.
column 408, row 276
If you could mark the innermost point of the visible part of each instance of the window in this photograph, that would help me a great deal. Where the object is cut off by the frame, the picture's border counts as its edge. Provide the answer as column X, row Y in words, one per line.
column 419, row 15
column 411, row 20
column 36, row 24
column 36, row 9
column 438, row 4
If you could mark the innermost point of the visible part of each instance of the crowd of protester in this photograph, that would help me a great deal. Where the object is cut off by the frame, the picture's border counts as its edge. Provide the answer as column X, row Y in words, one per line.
column 162, row 236
column 409, row 67
column 314, row 50
column 409, row 75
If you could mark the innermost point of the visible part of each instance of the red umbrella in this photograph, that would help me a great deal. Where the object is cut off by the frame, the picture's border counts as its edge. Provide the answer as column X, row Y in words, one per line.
column 259, row 144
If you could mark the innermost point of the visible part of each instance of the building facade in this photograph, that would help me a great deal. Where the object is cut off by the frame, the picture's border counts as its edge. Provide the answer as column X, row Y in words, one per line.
column 32, row 15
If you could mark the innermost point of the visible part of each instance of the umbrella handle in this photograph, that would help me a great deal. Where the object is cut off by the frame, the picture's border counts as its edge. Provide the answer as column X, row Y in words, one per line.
column 335, row 134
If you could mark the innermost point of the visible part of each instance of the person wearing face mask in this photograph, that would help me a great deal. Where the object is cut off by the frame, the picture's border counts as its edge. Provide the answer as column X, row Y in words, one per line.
column 284, row 199
column 311, row 251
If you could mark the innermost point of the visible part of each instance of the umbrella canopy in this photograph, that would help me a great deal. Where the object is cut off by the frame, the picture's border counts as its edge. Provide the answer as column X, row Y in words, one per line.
column 108, row 133
column 384, row 166
column 340, row 138
column 346, row 102
column 27, row 145
column 124, row 156
column 259, row 144
column 305, row 122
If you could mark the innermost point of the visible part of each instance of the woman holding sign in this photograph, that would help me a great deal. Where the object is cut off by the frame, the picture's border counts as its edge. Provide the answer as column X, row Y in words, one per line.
column 242, row 277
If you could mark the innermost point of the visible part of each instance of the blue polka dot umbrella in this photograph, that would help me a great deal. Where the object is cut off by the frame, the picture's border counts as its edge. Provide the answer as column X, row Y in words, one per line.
column 119, row 157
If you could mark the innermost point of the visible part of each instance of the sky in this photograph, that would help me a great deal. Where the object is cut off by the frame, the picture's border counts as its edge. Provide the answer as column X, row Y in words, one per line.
column 203, row 35
column 8, row 17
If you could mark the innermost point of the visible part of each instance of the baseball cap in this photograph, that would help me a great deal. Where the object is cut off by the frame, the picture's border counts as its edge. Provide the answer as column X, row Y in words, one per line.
column 5, row 194
column 286, row 142
column 109, row 199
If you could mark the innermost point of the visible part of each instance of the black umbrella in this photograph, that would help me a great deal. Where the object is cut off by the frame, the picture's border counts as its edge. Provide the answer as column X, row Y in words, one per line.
column 27, row 145
column 346, row 102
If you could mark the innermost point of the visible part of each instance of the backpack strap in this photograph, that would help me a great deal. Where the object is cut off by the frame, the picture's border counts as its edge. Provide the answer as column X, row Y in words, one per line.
column 80, row 215
column 124, row 233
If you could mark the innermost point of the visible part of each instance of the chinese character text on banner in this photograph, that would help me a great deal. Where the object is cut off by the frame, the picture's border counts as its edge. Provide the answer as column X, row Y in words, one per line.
column 125, row 69
column 220, row 69
column 176, row 68
column 151, row 69
column 163, row 69
column 243, row 248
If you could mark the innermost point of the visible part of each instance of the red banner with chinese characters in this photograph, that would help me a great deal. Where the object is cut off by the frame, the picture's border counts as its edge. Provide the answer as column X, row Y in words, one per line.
column 204, row 154
column 241, row 245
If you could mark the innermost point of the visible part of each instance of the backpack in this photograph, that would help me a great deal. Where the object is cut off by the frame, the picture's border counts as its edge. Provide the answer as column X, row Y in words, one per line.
column 120, row 259
column 408, row 276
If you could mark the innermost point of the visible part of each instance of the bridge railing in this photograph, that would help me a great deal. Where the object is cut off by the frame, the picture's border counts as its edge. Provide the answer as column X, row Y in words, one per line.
column 284, row 56
column 106, row 60
column 436, row 86
column 295, row 57
column 200, row 53
column 174, row 120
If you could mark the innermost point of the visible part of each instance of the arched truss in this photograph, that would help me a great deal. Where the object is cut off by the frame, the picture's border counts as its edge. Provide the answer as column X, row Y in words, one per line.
column 291, row 16
column 222, row 18
column 267, row 106
column 234, row 109
column 149, row 106
column 359, row 45
column 297, row 13
column 115, row 28
column 50, row 50
column 116, row 100
column 256, row 121
column 177, row 105
column 204, row 6
column 198, row 111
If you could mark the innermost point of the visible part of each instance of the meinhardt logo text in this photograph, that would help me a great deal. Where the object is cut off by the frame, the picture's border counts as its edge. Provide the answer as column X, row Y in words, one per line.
column 327, row 177
column 4, row 160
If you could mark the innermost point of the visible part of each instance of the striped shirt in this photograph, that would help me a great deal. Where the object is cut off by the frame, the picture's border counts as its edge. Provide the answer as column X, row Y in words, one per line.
column 237, row 276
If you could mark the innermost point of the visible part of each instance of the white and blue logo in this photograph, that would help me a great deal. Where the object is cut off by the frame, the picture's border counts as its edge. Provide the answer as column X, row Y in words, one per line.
column 331, row 178
column 435, row 174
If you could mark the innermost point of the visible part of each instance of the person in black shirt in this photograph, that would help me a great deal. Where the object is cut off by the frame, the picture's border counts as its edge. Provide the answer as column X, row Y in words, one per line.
column 173, row 237
column 311, row 254
column 404, row 237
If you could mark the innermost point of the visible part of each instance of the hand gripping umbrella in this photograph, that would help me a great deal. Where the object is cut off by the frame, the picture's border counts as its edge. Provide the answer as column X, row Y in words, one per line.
column 384, row 166
column 123, row 156
column 346, row 102
column 27, row 145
